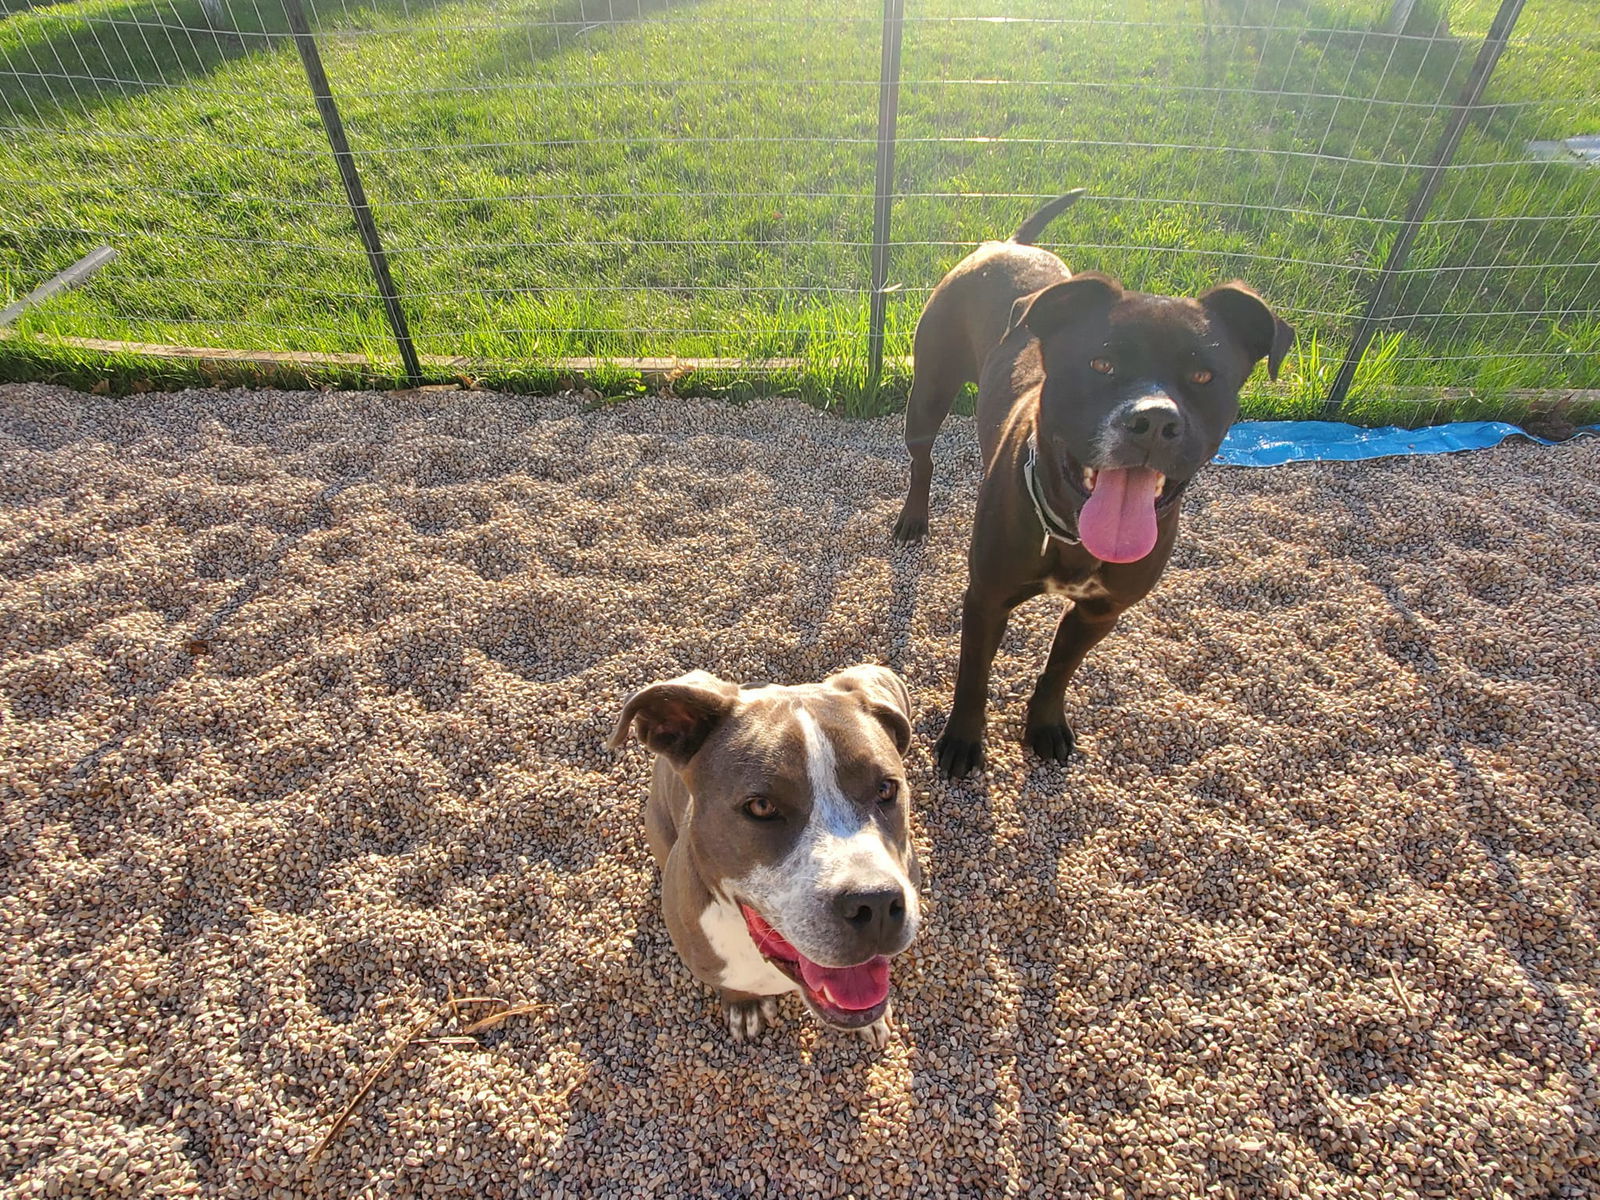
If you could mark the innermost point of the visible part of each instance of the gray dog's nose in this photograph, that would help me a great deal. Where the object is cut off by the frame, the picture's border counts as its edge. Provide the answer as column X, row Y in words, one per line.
column 875, row 916
column 1150, row 420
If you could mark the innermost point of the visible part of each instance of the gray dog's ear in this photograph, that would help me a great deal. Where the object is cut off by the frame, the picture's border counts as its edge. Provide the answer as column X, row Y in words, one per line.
column 676, row 716
column 1252, row 324
column 884, row 695
column 1050, row 308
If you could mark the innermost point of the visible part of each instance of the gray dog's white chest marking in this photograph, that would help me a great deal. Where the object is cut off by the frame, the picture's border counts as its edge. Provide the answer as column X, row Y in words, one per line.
column 743, row 968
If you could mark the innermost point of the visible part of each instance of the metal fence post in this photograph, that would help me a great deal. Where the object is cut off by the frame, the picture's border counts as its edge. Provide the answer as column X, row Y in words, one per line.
column 1422, row 198
column 71, row 277
column 883, row 198
column 359, row 208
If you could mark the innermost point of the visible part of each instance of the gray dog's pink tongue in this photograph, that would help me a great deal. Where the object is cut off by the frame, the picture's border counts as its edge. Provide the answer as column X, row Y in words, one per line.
column 852, row 988
column 1118, row 521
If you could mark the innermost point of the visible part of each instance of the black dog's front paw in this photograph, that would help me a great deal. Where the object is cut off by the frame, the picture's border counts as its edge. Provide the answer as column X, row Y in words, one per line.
column 1053, row 743
column 910, row 528
column 958, row 756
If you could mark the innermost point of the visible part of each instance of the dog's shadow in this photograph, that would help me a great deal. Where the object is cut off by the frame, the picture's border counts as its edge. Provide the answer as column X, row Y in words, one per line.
column 908, row 566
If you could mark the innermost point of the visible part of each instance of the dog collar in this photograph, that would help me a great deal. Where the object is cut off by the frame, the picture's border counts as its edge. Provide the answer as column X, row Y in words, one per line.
column 1054, row 526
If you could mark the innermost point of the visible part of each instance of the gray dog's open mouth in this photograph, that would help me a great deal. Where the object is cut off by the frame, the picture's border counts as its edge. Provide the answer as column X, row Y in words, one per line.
column 848, row 997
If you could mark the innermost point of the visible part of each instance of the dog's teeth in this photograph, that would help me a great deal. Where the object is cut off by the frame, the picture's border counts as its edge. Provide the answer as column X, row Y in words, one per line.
column 1161, row 484
column 1089, row 476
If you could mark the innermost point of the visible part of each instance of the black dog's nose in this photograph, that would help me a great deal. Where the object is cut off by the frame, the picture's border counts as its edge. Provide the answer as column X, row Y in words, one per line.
column 875, row 916
column 1150, row 420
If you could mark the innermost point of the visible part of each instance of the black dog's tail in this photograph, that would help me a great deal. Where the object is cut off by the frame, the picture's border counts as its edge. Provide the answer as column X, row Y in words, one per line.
column 1034, row 225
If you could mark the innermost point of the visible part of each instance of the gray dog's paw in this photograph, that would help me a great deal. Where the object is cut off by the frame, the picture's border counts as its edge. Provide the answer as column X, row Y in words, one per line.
column 747, row 1018
column 878, row 1033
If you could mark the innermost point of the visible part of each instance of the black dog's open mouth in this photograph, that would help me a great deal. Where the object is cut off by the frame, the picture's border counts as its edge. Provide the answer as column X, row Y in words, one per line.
column 1082, row 481
column 1118, row 507
column 848, row 997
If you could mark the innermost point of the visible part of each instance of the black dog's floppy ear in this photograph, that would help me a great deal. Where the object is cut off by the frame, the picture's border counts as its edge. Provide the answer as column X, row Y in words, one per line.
column 1050, row 308
column 884, row 695
column 1253, row 325
column 676, row 716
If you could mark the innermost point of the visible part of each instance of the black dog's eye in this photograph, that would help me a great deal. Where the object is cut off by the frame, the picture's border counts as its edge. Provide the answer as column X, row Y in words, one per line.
column 888, row 790
column 1103, row 365
column 1200, row 375
column 759, row 808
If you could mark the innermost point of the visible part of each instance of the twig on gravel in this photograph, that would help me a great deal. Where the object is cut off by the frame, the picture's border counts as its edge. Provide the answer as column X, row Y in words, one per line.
column 494, row 1019
column 1405, row 1001
column 452, row 1007
column 457, row 1001
column 372, row 1078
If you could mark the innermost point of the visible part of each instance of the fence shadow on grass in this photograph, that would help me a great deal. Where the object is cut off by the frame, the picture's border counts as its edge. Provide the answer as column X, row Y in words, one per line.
column 59, row 64
column 564, row 27
column 19, row 6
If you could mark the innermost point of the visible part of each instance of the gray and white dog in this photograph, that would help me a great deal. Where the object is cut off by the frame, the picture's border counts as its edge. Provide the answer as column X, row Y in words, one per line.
column 779, row 817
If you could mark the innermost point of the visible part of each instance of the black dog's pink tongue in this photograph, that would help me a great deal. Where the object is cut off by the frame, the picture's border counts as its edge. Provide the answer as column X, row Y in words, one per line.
column 1118, row 521
column 851, row 988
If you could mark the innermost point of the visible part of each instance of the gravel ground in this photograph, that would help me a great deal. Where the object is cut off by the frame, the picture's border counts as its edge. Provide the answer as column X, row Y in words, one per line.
column 302, row 699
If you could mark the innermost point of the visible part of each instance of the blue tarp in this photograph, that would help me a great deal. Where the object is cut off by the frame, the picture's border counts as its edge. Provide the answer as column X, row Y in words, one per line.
column 1268, row 443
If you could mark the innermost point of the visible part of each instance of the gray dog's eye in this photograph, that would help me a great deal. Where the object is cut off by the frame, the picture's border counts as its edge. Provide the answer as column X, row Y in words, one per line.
column 1200, row 375
column 1103, row 365
column 888, row 790
column 759, row 808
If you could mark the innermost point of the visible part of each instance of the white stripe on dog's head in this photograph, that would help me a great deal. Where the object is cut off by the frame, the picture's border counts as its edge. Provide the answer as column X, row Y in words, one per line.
column 830, row 809
column 841, row 849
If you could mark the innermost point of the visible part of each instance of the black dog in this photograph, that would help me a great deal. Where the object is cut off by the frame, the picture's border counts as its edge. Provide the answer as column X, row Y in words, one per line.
column 1096, row 406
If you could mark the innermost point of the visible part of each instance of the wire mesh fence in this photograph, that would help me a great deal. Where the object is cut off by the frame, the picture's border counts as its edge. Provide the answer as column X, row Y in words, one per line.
column 604, row 179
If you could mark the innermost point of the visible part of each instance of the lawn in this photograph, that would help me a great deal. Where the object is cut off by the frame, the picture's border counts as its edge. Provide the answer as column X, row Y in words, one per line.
column 554, row 179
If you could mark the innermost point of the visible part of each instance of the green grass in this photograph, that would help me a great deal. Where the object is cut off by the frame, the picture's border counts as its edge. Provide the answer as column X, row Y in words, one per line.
column 718, row 203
